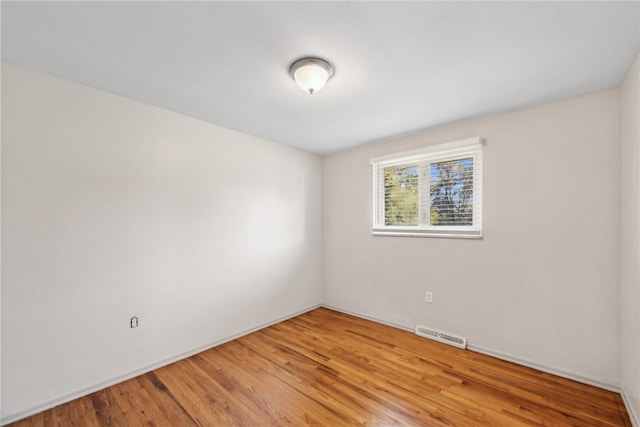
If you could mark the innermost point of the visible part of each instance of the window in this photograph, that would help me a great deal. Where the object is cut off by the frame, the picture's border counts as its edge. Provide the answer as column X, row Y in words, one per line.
column 435, row 191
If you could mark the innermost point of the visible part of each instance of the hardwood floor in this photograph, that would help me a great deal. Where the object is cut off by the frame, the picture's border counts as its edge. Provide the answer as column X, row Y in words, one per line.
column 325, row 368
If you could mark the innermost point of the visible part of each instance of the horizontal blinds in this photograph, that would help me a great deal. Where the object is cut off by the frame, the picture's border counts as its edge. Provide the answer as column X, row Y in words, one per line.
column 434, row 190
column 451, row 192
column 401, row 195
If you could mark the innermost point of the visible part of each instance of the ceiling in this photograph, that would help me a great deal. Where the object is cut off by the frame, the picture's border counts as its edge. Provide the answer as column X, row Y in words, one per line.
column 400, row 66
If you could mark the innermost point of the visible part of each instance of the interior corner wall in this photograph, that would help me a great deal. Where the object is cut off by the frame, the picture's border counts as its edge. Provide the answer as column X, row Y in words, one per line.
column 542, row 286
column 630, row 266
column 112, row 208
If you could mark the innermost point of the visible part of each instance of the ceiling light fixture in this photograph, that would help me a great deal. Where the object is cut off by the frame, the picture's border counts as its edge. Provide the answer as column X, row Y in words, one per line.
column 311, row 74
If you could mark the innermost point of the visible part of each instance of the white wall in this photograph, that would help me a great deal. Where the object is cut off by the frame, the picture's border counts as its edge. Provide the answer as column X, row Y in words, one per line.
column 542, row 286
column 112, row 208
column 630, row 267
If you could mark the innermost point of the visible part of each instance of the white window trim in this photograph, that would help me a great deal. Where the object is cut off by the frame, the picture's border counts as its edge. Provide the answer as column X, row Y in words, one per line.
column 441, row 152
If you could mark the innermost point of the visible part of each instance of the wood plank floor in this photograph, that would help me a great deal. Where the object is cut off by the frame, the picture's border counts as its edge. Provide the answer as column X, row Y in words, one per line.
column 325, row 368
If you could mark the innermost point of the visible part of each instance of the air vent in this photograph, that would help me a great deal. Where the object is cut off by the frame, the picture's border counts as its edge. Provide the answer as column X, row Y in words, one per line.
column 443, row 337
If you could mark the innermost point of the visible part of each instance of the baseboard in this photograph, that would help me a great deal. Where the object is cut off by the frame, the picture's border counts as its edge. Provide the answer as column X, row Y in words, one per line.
column 606, row 385
column 635, row 421
column 372, row 319
column 10, row 418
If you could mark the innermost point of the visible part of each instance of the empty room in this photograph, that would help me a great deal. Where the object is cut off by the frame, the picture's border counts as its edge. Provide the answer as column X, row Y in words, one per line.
column 320, row 213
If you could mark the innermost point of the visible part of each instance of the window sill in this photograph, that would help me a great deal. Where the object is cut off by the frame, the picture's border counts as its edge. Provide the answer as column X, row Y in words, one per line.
column 445, row 234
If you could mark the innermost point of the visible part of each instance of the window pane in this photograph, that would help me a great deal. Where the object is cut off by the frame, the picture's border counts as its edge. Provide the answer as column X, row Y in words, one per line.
column 401, row 195
column 451, row 192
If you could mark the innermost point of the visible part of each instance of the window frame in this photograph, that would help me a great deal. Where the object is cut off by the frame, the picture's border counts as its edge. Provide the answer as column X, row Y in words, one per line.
column 423, row 158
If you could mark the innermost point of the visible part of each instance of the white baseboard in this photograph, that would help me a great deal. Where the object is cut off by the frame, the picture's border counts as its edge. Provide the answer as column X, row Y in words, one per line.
column 10, row 418
column 606, row 385
column 500, row 355
column 630, row 409
column 372, row 319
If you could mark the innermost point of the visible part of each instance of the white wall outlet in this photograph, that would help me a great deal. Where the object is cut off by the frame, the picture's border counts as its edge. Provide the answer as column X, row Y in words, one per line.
column 428, row 296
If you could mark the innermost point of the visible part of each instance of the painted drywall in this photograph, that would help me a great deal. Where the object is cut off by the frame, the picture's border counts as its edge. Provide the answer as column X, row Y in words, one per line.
column 0, row 245
column 542, row 285
column 112, row 208
column 630, row 266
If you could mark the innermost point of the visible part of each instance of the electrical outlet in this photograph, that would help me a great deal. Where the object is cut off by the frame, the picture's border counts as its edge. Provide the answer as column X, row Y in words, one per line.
column 134, row 322
column 428, row 296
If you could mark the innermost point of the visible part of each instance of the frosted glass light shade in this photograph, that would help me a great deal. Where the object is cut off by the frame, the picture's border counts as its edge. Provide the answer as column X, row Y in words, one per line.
column 311, row 74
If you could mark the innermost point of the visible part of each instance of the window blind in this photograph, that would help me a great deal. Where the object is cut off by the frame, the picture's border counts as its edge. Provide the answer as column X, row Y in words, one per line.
column 435, row 191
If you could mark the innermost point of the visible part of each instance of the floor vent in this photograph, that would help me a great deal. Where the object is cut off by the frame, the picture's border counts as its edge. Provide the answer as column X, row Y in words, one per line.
column 443, row 337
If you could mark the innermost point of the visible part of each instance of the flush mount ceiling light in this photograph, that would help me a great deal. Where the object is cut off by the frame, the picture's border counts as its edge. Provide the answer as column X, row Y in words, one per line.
column 311, row 74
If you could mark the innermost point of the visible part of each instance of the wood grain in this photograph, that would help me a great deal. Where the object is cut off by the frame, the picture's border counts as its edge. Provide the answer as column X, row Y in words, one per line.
column 325, row 368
